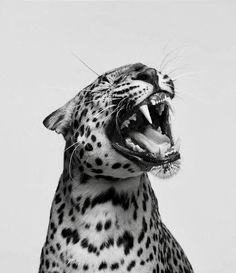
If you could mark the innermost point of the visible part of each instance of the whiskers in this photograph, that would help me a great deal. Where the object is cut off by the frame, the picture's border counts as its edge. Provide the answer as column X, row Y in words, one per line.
column 105, row 109
column 172, row 58
column 71, row 158
column 185, row 75
column 168, row 58
column 85, row 64
column 177, row 69
column 184, row 95
column 180, row 74
column 71, row 146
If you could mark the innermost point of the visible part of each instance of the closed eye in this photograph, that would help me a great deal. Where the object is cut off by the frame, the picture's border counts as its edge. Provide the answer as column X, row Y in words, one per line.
column 105, row 79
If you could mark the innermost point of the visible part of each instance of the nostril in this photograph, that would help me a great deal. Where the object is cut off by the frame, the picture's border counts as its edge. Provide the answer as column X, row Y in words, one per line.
column 143, row 77
column 165, row 76
column 149, row 75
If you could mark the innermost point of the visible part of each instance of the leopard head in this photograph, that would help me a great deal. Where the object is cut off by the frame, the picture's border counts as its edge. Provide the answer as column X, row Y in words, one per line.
column 119, row 126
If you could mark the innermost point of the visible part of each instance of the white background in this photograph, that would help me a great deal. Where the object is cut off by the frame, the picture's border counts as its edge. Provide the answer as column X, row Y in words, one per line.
column 38, row 73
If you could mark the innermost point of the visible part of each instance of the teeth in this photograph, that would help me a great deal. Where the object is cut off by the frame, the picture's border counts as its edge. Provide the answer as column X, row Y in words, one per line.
column 145, row 111
column 168, row 99
column 134, row 147
column 133, row 117
column 125, row 124
column 159, row 130
column 174, row 148
column 155, row 99
column 170, row 152
column 137, row 148
column 162, row 152
column 163, row 149
column 129, row 143
column 128, row 140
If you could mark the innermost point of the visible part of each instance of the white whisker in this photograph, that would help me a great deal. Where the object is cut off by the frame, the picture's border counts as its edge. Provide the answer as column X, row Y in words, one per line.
column 171, row 61
column 70, row 161
column 185, row 74
column 84, row 63
column 167, row 56
column 192, row 96
column 103, row 110
column 176, row 69
column 71, row 146
column 116, row 109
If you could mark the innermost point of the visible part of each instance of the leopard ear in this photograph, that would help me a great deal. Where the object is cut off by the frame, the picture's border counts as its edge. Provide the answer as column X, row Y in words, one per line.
column 60, row 120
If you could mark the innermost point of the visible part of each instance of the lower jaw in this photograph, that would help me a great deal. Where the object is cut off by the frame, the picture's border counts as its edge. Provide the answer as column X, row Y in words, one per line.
column 146, row 163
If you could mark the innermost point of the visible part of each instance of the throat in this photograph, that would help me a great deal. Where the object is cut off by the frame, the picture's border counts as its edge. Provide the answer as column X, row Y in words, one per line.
column 100, row 210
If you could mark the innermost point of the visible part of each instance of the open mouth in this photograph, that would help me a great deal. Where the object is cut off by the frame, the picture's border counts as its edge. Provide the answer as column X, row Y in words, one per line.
column 144, row 134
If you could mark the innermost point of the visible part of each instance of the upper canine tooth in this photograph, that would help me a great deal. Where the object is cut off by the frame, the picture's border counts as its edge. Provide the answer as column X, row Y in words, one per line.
column 145, row 111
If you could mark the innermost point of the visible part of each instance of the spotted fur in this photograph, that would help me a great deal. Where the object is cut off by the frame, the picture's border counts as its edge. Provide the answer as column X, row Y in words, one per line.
column 104, row 216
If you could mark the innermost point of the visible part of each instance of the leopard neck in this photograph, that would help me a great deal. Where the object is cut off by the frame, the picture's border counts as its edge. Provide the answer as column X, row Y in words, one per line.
column 99, row 209
column 90, row 203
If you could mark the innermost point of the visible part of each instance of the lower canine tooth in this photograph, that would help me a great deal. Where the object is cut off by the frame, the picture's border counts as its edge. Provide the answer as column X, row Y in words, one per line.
column 163, row 149
column 161, row 152
column 159, row 130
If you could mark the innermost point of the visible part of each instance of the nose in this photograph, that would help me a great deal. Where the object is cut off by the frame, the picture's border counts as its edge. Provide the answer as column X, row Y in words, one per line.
column 148, row 75
column 154, row 77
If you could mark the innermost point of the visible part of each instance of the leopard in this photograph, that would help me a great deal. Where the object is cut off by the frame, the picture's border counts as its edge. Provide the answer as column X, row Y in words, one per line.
column 105, row 215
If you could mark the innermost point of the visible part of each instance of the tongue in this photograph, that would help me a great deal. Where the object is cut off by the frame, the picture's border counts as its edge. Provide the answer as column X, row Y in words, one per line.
column 155, row 136
column 152, row 140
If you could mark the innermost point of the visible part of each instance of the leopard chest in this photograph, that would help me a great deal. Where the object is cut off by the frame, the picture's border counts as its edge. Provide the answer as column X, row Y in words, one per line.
column 111, row 242
column 118, row 232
